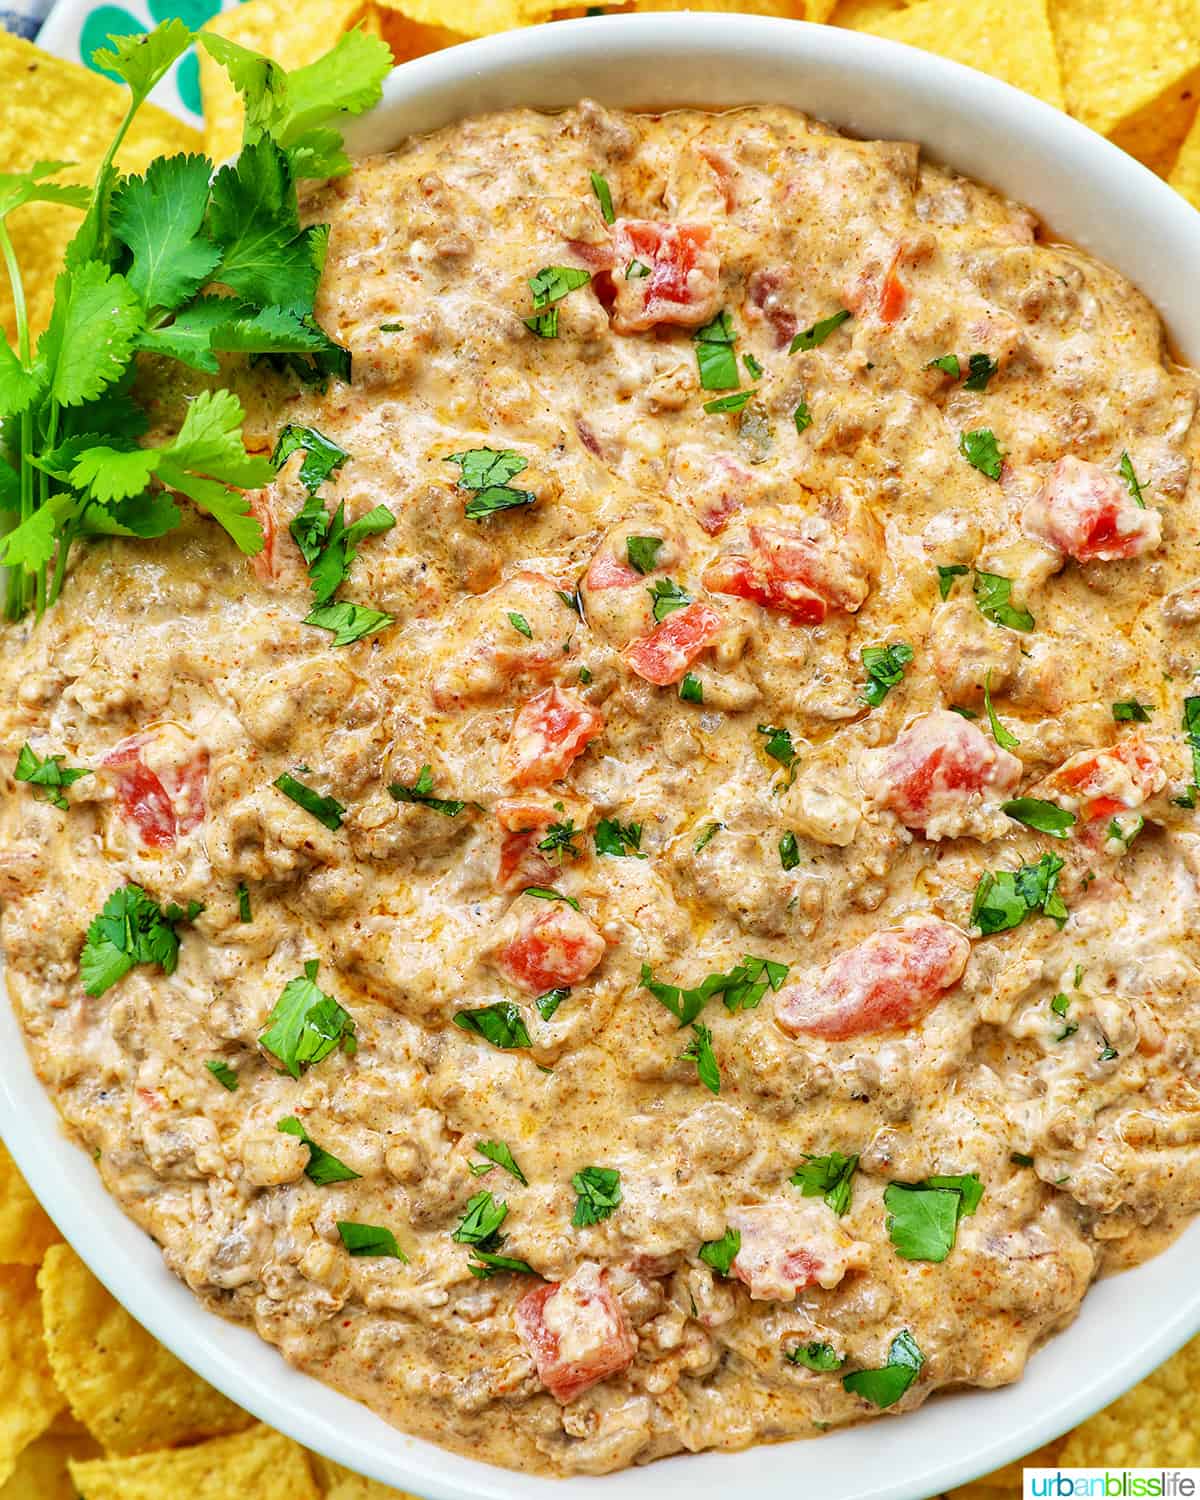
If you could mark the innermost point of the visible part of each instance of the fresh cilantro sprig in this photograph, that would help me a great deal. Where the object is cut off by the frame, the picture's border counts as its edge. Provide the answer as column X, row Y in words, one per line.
column 142, row 270
column 306, row 1024
column 829, row 1177
column 741, row 988
column 47, row 775
column 884, row 1387
column 132, row 928
column 598, row 1191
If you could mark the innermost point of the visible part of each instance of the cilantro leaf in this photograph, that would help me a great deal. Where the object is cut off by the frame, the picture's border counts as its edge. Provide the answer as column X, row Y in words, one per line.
column 548, row 1003
column 243, row 900
column 481, row 1221
column 947, row 364
column 599, row 1195
column 48, row 776
column 721, row 1254
column 741, row 988
column 369, row 1239
column 143, row 59
column 604, row 197
column 481, row 468
column 802, row 416
column 789, row 851
column 884, row 1387
column 1125, row 469
column 422, row 791
column 816, row 1356
column 500, row 1023
column 306, row 1024
column 733, row 402
column 208, row 462
column 498, row 1155
column 559, row 841
column 982, row 451
column 1191, row 733
column 829, row 1177
column 1131, row 711
column 158, row 217
column 322, row 456
column 485, row 1265
column 349, row 622
column 19, row 387
column 668, row 597
column 30, row 186
column 818, row 333
column 715, row 358
column 993, row 593
column 921, row 1222
column 885, row 669
column 339, row 548
column 326, row 810
column 223, row 1073
column 947, row 575
column 642, row 552
column 265, row 256
column 982, row 368
column 323, row 1167
column 1042, row 816
column 553, row 283
column 706, row 835
column 131, row 929
column 700, row 1051
column 691, row 689
column 617, row 838
column 74, row 364
column 1005, row 899
column 1003, row 737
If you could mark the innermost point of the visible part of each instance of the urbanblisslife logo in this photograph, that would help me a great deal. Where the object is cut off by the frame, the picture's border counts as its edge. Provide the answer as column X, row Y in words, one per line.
column 1111, row 1484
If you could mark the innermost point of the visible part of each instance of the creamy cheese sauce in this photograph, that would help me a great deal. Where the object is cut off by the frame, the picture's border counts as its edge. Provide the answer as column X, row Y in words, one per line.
column 1055, row 1059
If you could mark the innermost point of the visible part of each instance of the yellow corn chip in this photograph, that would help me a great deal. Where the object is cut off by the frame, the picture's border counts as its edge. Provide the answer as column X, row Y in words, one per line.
column 293, row 32
column 1185, row 174
column 1131, row 71
column 406, row 38
column 29, row 1399
column 25, row 1230
column 129, row 1392
column 41, row 1472
column 1010, row 39
column 58, row 111
column 1154, row 1426
column 255, row 1465
column 861, row 15
column 472, row 17
column 792, row 9
column 341, row 1484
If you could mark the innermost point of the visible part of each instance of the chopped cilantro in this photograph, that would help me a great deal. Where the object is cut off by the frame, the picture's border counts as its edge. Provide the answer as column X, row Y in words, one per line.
column 885, row 669
column 520, row 624
column 323, row 1167
column 243, row 901
column 500, row 1023
column 498, row 1155
column 322, row 456
column 330, row 546
column 1020, row 1159
column 705, row 836
column 753, row 368
column 613, row 837
column 884, row 1387
column 721, row 1254
column 667, row 596
column 1005, row 899
column 548, row 287
column 829, row 1177
column 348, row 622
column 1132, row 712
column 1191, row 732
column 741, row 988
column 715, row 358
column 326, row 810
column 559, row 841
column 733, row 402
column 486, row 1264
column 691, row 689
column 1060, row 1004
column 818, row 333
column 982, row 451
column 789, row 851
column 422, row 791
column 993, row 593
column 48, row 777
column 604, row 197
column 947, row 575
column 923, row 1216
column 131, row 929
column 1122, row 834
column 947, row 364
column 548, row 893
column 481, row 1221
column 369, row 1239
column 982, row 368
column 1003, row 737
column 636, row 270
column 306, row 1024
column 391, row 327
column 779, row 747
column 1125, row 469
column 1042, row 816
column 223, row 1073
column 700, row 1051
column 486, row 472
column 816, row 1356
column 548, row 1003
column 599, row 1195
column 802, row 416
column 642, row 552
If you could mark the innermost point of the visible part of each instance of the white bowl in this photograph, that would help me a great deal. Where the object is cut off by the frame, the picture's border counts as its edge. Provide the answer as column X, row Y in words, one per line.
column 1090, row 193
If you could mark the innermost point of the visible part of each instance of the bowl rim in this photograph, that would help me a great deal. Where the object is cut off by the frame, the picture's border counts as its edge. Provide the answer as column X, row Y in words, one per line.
column 967, row 116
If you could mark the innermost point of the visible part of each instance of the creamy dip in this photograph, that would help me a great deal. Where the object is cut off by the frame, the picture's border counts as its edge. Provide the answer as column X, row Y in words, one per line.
column 861, row 697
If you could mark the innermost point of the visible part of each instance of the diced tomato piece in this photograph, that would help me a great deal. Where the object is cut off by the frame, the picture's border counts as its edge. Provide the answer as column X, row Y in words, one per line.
column 683, row 286
column 524, row 819
column 576, row 1332
column 545, row 943
column 548, row 734
column 264, row 563
column 608, row 572
column 893, row 296
column 161, row 782
column 663, row 656
column 789, row 1245
column 739, row 577
column 1087, row 512
column 939, row 767
column 712, row 485
column 764, row 300
column 888, row 982
column 1099, row 783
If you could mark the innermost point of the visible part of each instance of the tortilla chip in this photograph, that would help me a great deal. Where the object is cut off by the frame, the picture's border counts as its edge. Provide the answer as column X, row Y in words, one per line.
column 407, row 39
column 293, row 32
column 41, row 1472
column 29, row 1399
column 60, row 111
column 25, row 1229
column 1010, row 39
column 255, row 1465
column 1185, row 174
column 472, row 17
column 1131, row 71
column 130, row 1393
column 1153, row 1427
column 861, row 15
column 341, row 1484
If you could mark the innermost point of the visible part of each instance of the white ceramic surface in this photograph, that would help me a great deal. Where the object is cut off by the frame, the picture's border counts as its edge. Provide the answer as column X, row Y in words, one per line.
column 1092, row 194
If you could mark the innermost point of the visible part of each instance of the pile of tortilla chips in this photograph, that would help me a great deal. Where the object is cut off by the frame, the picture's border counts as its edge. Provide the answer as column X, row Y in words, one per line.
column 89, row 1403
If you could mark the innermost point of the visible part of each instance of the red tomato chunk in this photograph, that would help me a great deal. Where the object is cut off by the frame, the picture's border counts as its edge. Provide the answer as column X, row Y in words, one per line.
column 549, row 733
column 938, row 767
column 552, row 945
column 683, row 285
column 161, row 782
column 889, row 982
column 1099, row 783
column 790, row 1245
column 576, row 1332
column 663, row 656
column 1088, row 513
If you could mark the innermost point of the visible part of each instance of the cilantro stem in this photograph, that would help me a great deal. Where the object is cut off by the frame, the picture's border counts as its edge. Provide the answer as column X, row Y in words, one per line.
column 69, row 533
column 17, row 589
